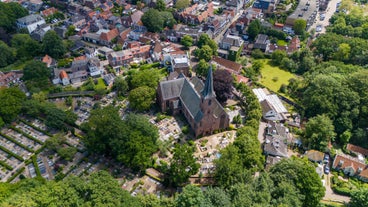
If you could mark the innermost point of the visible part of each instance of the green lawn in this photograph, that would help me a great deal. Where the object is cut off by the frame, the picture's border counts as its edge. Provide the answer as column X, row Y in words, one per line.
column 273, row 77
column 15, row 66
column 100, row 84
column 281, row 43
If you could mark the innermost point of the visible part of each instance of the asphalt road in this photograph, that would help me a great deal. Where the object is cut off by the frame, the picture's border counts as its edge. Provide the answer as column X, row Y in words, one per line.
column 331, row 8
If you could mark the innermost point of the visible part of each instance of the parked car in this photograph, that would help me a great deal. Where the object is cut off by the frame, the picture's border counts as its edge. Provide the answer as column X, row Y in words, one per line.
column 327, row 169
column 319, row 28
column 326, row 158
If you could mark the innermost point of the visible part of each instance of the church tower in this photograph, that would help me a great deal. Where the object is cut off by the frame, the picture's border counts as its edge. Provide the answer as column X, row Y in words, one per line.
column 208, row 104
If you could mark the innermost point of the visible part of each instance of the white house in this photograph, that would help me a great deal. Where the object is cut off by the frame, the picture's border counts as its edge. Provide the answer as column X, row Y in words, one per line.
column 30, row 22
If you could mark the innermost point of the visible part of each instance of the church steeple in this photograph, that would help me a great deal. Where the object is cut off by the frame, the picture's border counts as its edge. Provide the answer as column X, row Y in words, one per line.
column 208, row 91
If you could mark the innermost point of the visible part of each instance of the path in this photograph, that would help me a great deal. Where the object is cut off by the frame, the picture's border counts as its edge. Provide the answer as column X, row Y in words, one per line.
column 330, row 195
column 261, row 131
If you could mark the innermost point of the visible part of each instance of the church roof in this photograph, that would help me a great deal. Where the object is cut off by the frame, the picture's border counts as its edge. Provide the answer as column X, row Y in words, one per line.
column 208, row 91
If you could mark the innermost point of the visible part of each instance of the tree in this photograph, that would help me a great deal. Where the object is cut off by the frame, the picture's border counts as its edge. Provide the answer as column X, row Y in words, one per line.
column 204, row 53
column 343, row 52
column 302, row 174
column 67, row 153
column 36, row 75
column 149, row 78
column 153, row 20
column 2, row 123
column 7, row 55
column 71, row 31
column 11, row 103
column 26, row 47
column 160, row 5
column 319, row 131
column 141, row 98
column 181, row 4
column 53, row 45
column 277, row 56
column 254, row 28
column 216, row 197
column 202, row 68
column 121, row 86
column 10, row 12
column 223, row 85
column 191, row 196
column 359, row 198
column 55, row 142
column 299, row 26
column 131, row 141
column 187, row 41
column 204, row 39
column 182, row 165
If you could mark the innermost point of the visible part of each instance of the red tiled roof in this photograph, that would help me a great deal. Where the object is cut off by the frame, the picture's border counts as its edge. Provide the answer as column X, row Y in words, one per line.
column 63, row 74
column 279, row 25
column 242, row 79
column 83, row 57
column 357, row 149
column 109, row 35
column 342, row 162
column 235, row 67
column 48, row 12
column 47, row 59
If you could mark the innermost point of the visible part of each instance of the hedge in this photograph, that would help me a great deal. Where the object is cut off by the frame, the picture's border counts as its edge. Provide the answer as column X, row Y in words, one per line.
column 16, row 174
column 16, row 142
column 4, row 164
column 11, row 153
column 25, row 134
column 35, row 164
column 36, row 128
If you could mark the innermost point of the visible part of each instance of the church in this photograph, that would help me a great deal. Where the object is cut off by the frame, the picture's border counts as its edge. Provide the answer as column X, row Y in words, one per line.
column 195, row 100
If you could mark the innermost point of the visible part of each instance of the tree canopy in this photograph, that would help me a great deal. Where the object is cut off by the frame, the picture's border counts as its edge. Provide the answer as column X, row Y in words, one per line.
column 187, row 41
column 10, row 12
column 155, row 20
column 53, row 45
column 319, row 131
column 182, row 166
column 223, row 84
column 11, row 103
column 299, row 26
column 131, row 141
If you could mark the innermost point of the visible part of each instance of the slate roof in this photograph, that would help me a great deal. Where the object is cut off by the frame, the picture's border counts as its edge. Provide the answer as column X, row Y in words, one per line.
column 189, row 92
column 30, row 19
column 275, row 146
column 208, row 91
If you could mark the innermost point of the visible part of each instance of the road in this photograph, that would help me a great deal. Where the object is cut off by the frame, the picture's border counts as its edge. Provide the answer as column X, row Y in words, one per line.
column 221, row 34
column 331, row 8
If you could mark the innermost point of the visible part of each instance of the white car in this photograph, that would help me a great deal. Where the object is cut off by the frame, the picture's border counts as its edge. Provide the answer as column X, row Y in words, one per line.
column 319, row 28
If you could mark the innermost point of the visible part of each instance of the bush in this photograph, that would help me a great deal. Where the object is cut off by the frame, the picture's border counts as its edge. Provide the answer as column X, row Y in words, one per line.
column 185, row 129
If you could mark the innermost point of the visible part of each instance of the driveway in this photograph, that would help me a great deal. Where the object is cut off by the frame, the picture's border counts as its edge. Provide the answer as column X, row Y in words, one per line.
column 261, row 131
column 330, row 195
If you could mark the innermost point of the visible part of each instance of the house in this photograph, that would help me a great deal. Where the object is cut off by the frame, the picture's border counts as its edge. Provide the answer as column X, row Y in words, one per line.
column 230, row 40
column 7, row 79
column 109, row 79
column 274, row 146
column 106, row 37
column 49, row 61
column 357, row 150
column 30, row 22
column 216, row 24
column 231, row 66
column 35, row 5
column 194, row 32
column 196, row 14
column 272, row 107
column 40, row 32
column 64, row 78
column 271, row 160
column 48, row 12
column 351, row 167
column 179, row 63
column 237, row 4
column 262, row 43
column 127, row 56
column 267, row 6
column 196, row 101
column 315, row 156
column 279, row 130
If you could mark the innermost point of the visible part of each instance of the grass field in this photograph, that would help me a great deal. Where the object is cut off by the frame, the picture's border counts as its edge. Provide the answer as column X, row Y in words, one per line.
column 100, row 84
column 273, row 77
column 281, row 43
